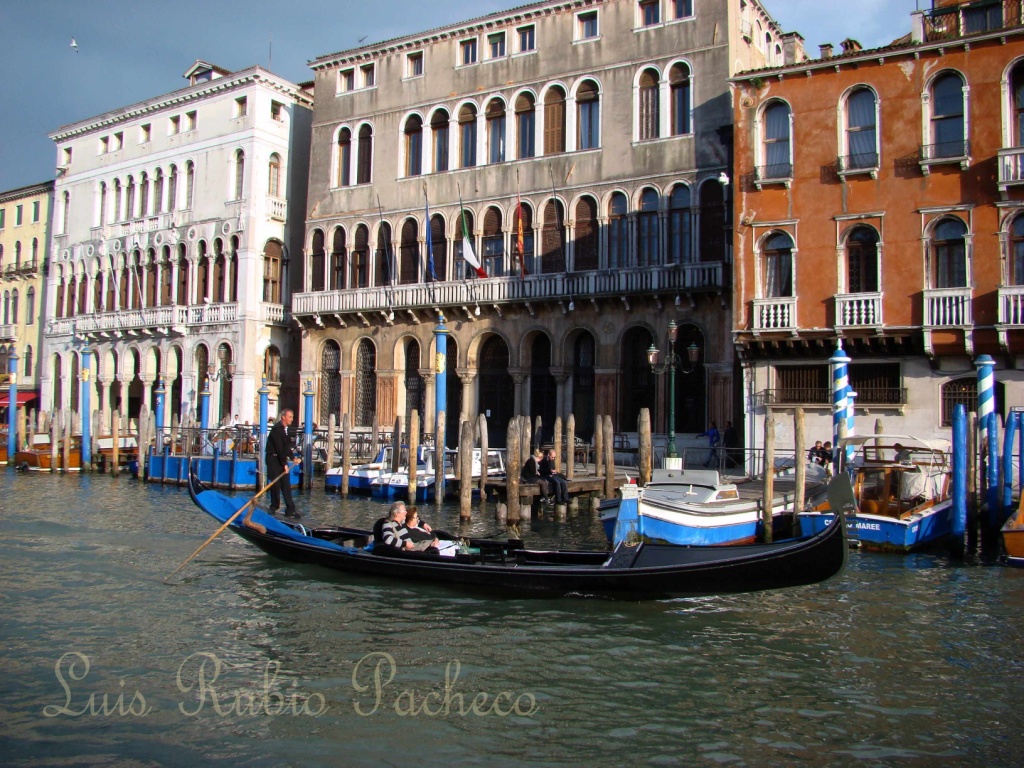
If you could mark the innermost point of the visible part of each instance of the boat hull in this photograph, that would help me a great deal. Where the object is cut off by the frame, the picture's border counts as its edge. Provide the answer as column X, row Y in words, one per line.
column 41, row 460
column 886, row 534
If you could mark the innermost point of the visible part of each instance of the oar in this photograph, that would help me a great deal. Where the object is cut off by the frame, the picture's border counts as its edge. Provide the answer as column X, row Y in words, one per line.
column 248, row 504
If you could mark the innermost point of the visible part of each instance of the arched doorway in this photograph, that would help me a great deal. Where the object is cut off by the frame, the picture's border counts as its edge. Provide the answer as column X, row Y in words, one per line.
column 638, row 386
column 497, row 390
column 330, row 382
column 366, row 384
column 691, row 388
column 543, row 389
column 415, row 392
column 583, row 401
column 453, row 386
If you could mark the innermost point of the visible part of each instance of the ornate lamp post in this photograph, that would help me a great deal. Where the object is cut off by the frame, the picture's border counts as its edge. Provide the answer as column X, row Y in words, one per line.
column 672, row 361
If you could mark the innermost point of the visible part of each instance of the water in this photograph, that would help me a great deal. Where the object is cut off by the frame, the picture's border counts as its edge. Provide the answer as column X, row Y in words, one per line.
column 898, row 661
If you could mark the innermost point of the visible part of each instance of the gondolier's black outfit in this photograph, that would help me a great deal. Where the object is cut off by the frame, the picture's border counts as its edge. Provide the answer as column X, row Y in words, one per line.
column 279, row 456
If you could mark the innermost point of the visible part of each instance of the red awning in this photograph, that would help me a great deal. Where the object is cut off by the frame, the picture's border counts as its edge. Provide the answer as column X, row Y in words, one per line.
column 23, row 397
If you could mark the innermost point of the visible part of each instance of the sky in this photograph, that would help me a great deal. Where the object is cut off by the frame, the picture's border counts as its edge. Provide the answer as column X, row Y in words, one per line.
column 132, row 50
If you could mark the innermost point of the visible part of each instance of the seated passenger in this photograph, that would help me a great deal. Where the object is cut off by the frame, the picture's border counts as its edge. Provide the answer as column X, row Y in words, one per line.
column 530, row 475
column 423, row 537
column 393, row 531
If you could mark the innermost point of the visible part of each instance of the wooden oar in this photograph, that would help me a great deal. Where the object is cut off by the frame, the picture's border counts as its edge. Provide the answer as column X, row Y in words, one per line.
column 248, row 504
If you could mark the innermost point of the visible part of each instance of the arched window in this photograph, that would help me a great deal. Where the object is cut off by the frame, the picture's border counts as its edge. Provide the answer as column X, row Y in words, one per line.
column 680, row 234
column 274, row 176
column 239, row 174
column 777, row 266
column 330, row 381
column 366, row 384
column 273, row 266
column 949, row 255
column 317, row 261
column 713, row 233
column 554, row 121
column 618, row 230
column 129, row 201
column 495, row 116
column 272, row 364
column 190, row 184
column 650, row 106
column 365, row 160
column 948, row 136
column 166, row 280
column 553, row 238
column 1016, row 265
column 862, row 260
column 339, row 268
column 1017, row 104
column 117, row 200
column 203, row 275
column 415, row 391
column 463, row 230
column 150, row 273
column 493, row 244
column 679, row 85
column 467, row 136
column 183, row 279
column 585, row 243
column 28, row 362
column 588, row 114
column 526, row 125
column 439, row 246
column 638, row 385
column 384, row 272
column 361, row 257
column 647, row 240
column 30, row 306
column 409, row 259
column 344, row 170
column 102, row 219
column 439, row 135
column 158, row 191
column 172, row 189
column 14, row 306
column 7, row 311
column 861, row 131
column 776, row 149
column 144, row 195
column 414, row 146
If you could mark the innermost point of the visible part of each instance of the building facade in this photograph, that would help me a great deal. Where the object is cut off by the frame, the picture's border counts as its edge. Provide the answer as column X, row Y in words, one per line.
column 24, row 254
column 175, row 221
column 579, row 150
column 879, row 205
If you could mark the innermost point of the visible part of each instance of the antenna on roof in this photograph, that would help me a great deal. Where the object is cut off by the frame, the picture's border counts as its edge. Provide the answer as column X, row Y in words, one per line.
column 270, row 52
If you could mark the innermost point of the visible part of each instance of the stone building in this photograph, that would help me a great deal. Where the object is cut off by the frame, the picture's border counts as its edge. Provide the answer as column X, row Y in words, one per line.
column 880, row 204
column 175, row 219
column 581, row 150
column 24, row 252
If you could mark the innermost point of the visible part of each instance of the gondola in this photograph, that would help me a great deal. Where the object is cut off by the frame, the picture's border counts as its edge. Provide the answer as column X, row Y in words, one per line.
column 631, row 571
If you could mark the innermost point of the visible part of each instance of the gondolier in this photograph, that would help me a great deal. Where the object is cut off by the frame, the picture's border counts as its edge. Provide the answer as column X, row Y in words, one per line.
column 279, row 456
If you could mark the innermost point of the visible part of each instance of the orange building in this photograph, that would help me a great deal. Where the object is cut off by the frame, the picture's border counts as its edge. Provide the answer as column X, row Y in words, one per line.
column 878, row 204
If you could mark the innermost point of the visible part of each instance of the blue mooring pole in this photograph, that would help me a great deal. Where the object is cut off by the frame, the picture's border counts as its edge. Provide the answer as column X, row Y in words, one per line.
column 440, row 401
column 86, row 409
column 1012, row 423
column 992, row 493
column 307, row 423
column 12, row 409
column 261, row 427
column 959, row 490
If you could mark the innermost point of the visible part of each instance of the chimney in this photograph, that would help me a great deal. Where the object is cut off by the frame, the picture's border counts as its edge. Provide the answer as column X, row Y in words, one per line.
column 793, row 48
column 826, row 50
column 851, row 46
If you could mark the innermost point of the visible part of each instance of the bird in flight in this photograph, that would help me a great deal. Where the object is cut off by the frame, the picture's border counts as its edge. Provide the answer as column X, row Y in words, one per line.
column 74, row 45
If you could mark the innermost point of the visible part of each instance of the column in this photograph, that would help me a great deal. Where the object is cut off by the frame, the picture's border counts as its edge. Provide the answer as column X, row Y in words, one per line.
column 561, row 376
column 519, row 377
column 470, row 397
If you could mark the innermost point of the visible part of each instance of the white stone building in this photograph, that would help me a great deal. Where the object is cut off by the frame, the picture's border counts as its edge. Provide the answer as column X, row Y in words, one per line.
column 174, row 222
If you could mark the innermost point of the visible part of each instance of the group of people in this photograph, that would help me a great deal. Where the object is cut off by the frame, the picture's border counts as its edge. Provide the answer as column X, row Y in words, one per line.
column 403, row 529
column 542, row 469
column 821, row 453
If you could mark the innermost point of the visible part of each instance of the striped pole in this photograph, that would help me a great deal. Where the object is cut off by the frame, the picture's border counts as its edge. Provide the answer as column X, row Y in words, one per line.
column 986, row 393
column 850, row 397
column 840, row 388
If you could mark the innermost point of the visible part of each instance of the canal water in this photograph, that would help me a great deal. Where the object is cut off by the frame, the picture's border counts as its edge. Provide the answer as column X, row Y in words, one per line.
column 245, row 661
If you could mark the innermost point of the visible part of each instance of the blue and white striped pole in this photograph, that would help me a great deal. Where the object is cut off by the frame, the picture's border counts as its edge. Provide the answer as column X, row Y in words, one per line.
column 986, row 393
column 840, row 388
column 850, row 397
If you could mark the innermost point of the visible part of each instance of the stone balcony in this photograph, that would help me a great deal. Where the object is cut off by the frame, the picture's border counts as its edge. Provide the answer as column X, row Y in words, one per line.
column 7, row 333
column 1011, row 168
column 858, row 310
column 947, row 308
column 622, row 284
column 775, row 314
column 148, row 322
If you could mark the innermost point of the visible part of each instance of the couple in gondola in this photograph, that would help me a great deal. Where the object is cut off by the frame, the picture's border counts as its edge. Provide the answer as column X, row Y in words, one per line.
column 403, row 529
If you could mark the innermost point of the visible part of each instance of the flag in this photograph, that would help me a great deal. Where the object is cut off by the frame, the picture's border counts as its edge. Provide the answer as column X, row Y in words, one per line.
column 520, row 240
column 430, row 241
column 467, row 245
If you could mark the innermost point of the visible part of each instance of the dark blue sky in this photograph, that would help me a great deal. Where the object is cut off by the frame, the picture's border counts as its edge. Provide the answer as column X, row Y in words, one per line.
column 131, row 51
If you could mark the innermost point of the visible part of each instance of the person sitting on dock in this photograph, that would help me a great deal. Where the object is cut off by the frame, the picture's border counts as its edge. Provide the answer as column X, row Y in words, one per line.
column 530, row 474
column 548, row 471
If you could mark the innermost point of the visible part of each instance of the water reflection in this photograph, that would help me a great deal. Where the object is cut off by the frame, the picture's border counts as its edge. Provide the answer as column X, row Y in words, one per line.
column 901, row 659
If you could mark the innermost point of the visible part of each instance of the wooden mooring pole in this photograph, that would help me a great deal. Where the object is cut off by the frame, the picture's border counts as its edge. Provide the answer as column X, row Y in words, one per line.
column 768, row 497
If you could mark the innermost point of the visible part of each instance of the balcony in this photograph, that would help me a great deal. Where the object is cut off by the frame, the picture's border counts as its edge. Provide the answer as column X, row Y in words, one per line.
column 946, row 152
column 780, row 173
column 947, row 308
column 971, row 18
column 1011, row 168
column 777, row 314
column 867, row 163
column 273, row 314
column 822, row 396
column 1011, row 305
column 607, row 284
column 277, row 209
column 7, row 332
column 858, row 310
column 147, row 322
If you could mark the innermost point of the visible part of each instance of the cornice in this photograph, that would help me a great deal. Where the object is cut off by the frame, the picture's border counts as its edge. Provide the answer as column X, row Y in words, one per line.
column 29, row 191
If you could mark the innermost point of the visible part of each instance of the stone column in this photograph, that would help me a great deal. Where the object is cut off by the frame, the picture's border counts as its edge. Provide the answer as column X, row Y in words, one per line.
column 519, row 377
column 470, row 397
column 561, row 376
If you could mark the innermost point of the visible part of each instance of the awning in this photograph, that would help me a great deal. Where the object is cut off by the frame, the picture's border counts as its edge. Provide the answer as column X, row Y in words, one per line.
column 23, row 397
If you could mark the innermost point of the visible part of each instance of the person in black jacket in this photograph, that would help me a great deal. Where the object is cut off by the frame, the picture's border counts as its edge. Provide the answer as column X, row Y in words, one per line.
column 531, row 474
column 279, row 457
column 548, row 471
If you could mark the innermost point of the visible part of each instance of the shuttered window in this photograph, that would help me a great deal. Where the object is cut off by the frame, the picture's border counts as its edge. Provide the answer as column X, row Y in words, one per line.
column 586, row 235
column 554, row 121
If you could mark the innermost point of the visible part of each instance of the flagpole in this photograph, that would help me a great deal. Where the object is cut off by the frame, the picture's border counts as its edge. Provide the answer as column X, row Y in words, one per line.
column 387, row 255
column 565, row 261
column 519, row 230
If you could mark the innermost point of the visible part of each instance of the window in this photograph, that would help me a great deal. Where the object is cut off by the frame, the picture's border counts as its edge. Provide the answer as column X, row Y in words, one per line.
column 274, row 182
column 618, row 230
column 190, row 184
column 414, row 64
column 649, row 105
column 3, row 216
column 861, row 133
column 414, row 146
column 949, row 255
column 347, row 80
column 365, row 155
column 588, row 113
column 527, row 38
column 316, row 259
column 712, row 223
column 361, row 258
column 553, row 238
column 367, row 74
column 554, row 121
column 239, row 174
column 172, row 189
column 191, row 121
column 680, row 236
column 174, row 126
column 66, row 156
column 948, row 136
column 277, row 111
column 30, row 306
column 102, row 213
column 439, row 134
column 650, row 12
column 118, row 141
column 526, row 125
column 585, row 235
column 104, row 145
column 1016, row 265
column 467, row 135
column 19, row 211
column 1017, row 105
column 682, row 9
column 493, row 260
column 586, row 25
column 495, row 116
column 647, row 240
column 144, row 195
column 241, row 106
column 338, row 267
column 862, row 260
column 778, row 161
column 496, row 45
column 777, row 266
column 467, row 52
column 679, row 88
column 273, row 266
column 344, row 177
column 145, row 133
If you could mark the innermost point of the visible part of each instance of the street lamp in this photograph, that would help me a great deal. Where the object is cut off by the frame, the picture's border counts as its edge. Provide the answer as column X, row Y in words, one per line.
column 227, row 368
column 672, row 361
